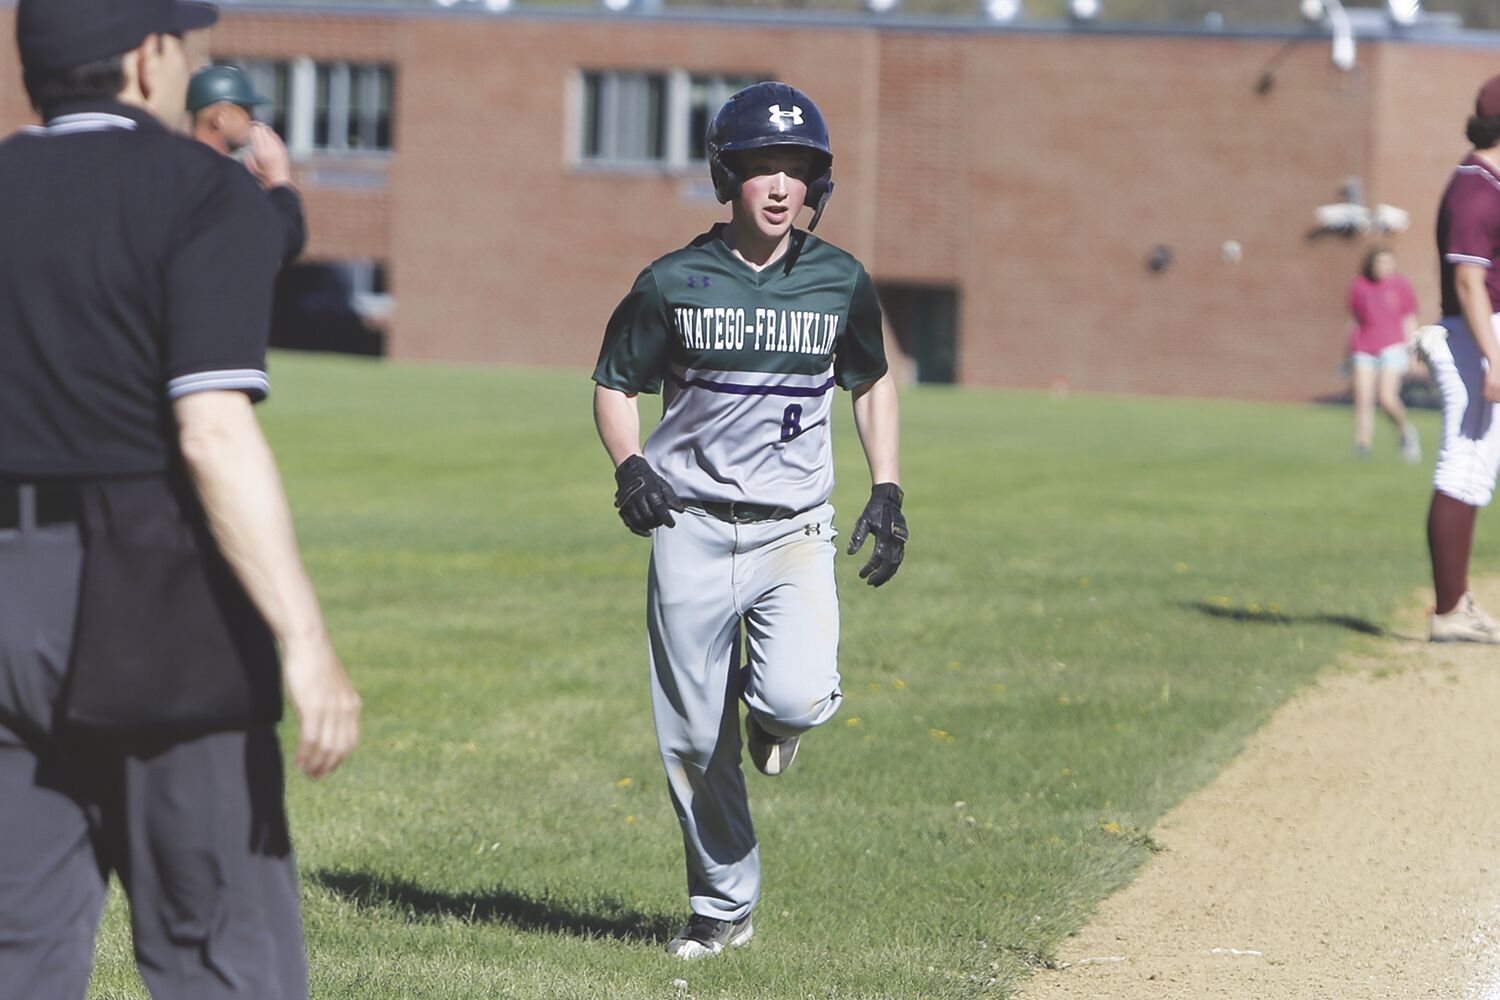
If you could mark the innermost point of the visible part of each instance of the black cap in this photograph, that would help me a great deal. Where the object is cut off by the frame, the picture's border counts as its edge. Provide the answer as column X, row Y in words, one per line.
column 59, row 34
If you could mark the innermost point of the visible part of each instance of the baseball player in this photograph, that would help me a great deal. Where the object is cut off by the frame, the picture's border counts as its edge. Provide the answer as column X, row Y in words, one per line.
column 746, row 331
column 1465, row 364
column 220, row 100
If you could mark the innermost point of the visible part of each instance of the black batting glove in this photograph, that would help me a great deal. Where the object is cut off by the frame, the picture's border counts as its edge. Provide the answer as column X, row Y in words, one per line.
column 643, row 497
column 881, row 518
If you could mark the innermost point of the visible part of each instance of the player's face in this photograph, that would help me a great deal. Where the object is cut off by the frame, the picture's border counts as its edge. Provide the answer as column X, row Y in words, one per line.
column 774, row 188
column 235, row 123
column 1383, row 266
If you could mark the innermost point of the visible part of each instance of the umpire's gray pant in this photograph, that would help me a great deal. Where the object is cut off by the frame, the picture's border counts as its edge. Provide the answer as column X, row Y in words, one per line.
column 194, row 825
column 709, row 581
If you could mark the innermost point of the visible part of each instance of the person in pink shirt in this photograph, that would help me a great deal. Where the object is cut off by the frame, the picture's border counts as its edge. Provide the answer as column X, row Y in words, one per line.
column 1385, row 316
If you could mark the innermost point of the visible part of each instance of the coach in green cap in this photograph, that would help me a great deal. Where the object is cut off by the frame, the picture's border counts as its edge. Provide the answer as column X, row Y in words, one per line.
column 221, row 100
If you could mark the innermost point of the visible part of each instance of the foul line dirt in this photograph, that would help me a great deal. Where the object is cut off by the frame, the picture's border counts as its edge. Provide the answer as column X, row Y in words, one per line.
column 1351, row 852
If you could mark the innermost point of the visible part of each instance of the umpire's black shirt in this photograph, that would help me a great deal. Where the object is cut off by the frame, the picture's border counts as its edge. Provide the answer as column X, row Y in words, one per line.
column 136, row 267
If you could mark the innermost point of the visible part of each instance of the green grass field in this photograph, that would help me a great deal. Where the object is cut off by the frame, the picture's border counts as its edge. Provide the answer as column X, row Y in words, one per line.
column 1102, row 598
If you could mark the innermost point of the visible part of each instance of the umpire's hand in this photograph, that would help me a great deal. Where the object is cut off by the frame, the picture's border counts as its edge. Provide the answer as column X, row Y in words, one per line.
column 326, row 704
column 644, row 498
column 881, row 518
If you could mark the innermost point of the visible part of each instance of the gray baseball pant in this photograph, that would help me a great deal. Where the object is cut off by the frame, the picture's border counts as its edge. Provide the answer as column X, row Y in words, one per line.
column 736, row 612
column 194, row 824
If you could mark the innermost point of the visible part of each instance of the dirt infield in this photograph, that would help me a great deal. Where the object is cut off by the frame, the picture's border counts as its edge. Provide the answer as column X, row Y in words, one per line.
column 1352, row 851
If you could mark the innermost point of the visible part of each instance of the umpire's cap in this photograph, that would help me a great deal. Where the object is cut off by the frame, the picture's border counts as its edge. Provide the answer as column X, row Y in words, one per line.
column 222, row 85
column 770, row 114
column 61, row 34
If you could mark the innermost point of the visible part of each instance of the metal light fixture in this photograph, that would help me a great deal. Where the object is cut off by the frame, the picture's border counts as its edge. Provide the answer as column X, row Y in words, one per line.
column 1344, row 52
column 1404, row 13
column 881, row 6
column 1003, row 11
column 1083, row 10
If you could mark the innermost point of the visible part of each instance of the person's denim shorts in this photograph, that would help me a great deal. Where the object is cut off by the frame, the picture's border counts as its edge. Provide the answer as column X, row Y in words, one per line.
column 1391, row 359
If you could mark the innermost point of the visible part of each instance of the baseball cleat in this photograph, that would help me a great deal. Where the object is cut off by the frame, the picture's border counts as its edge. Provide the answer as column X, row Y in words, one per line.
column 771, row 755
column 704, row 937
column 1465, row 623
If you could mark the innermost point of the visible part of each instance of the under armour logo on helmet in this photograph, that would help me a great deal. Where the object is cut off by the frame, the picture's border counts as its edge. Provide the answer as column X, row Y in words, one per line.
column 783, row 118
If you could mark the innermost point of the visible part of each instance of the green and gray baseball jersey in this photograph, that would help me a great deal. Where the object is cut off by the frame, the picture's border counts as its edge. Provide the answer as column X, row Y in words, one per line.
column 746, row 362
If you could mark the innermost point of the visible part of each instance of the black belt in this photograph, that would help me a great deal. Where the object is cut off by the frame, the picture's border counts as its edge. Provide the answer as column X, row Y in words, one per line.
column 56, row 503
column 743, row 513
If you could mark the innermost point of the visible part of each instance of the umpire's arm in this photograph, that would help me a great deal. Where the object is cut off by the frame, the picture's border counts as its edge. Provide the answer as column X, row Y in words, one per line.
column 236, row 478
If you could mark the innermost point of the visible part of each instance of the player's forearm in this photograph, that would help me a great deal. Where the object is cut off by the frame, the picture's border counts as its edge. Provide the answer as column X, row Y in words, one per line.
column 235, row 475
column 877, row 418
column 619, row 422
column 1478, row 311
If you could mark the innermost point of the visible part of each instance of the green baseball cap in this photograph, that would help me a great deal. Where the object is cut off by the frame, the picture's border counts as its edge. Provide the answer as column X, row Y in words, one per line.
column 222, row 85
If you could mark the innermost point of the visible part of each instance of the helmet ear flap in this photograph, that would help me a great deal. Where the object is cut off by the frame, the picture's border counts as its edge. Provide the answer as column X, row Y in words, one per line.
column 818, row 195
column 726, row 181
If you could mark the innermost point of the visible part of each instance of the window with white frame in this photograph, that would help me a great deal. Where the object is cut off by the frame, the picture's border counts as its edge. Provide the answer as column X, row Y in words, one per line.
column 649, row 118
column 624, row 117
column 706, row 95
column 326, row 107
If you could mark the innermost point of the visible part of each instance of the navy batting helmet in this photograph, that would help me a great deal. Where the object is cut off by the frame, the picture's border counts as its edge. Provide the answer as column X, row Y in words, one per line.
column 770, row 114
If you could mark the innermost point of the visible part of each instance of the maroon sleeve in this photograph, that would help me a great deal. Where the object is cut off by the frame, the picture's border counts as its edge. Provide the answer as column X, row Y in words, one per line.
column 1473, row 217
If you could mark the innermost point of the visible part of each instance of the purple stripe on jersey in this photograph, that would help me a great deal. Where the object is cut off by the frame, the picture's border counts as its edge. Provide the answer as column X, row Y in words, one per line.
column 736, row 389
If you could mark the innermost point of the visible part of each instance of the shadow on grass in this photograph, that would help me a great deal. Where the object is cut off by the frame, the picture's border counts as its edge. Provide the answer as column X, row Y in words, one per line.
column 515, row 909
column 1361, row 625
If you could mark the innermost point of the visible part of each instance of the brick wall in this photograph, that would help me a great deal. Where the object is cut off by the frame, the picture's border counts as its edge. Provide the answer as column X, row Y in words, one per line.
column 1032, row 171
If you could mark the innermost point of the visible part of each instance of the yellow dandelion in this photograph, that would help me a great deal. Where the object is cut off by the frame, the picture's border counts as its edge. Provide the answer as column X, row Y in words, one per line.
column 1111, row 827
column 941, row 735
column 954, row 665
column 1253, row 608
column 630, row 820
column 874, row 685
column 1067, row 772
column 624, row 782
column 851, row 723
column 1274, row 608
column 1064, row 700
column 898, row 684
column 1221, row 601
column 1181, row 567
column 999, row 688
column 1083, row 583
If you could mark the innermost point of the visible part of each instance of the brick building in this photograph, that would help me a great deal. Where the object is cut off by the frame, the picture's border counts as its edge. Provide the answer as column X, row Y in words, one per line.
column 484, row 187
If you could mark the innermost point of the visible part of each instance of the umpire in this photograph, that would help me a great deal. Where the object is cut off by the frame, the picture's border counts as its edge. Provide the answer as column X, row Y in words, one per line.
column 221, row 100
column 148, row 570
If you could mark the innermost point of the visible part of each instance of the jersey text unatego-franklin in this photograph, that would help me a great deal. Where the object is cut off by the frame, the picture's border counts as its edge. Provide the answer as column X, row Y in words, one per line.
column 726, row 328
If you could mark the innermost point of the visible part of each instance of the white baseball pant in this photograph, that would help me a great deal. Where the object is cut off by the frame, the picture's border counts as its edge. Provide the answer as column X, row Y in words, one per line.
column 1469, row 457
column 714, row 587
